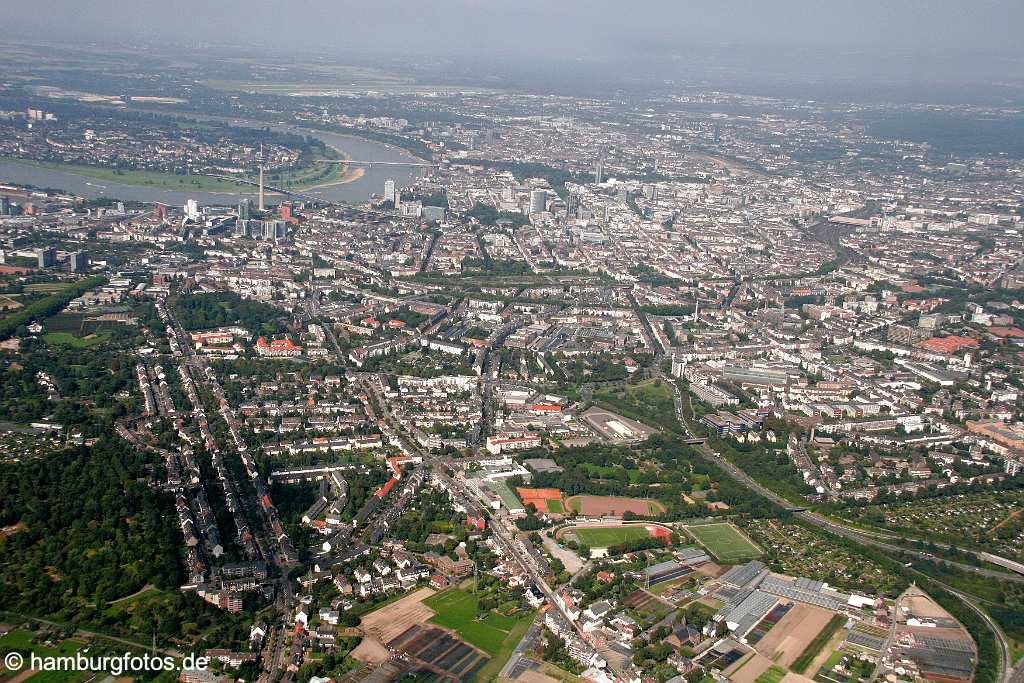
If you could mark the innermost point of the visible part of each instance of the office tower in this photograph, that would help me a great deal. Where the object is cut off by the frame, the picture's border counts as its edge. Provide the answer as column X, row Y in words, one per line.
column 47, row 257
column 243, row 210
column 77, row 261
column 274, row 229
column 572, row 205
column 5, row 206
column 192, row 209
column 599, row 171
column 538, row 201
column 389, row 191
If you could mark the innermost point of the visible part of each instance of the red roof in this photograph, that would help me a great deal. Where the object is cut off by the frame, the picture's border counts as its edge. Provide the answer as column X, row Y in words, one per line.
column 386, row 487
column 950, row 344
column 1014, row 332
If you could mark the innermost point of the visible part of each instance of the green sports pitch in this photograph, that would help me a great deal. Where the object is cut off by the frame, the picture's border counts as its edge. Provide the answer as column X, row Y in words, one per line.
column 724, row 541
column 608, row 536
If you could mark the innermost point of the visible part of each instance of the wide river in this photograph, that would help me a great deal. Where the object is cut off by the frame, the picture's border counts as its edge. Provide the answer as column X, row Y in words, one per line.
column 357, row 191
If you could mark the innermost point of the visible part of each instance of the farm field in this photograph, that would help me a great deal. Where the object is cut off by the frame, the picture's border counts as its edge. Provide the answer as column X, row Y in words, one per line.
column 789, row 639
column 390, row 621
column 817, row 646
column 724, row 541
column 599, row 506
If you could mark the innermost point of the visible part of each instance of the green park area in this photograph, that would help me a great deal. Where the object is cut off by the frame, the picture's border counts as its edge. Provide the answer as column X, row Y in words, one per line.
column 23, row 642
column 493, row 633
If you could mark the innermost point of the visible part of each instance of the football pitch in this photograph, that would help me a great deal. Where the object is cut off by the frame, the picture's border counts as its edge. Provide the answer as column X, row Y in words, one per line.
column 724, row 541
column 608, row 536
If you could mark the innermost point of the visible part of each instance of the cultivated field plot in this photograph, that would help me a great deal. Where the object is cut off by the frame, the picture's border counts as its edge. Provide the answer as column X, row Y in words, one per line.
column 789, row 638
column 724, row 541
column 768, row 623
column 750, row 669
column 440, row 651
column 613, row 506
column 545, row 500
column 395, row 618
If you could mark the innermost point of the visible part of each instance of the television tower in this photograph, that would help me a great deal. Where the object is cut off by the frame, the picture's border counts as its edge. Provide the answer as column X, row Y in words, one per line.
column 262, row 208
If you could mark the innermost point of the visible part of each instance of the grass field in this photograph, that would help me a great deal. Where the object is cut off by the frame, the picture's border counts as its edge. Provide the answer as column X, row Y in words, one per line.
column 724, row 541
column 68, row 339
column 556, row 506
column 20, row 640
column 495, row 634
column 604, row 537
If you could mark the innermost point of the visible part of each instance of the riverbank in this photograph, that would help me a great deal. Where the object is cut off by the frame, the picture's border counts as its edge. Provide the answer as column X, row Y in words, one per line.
column 312, row 176
column 154, row 179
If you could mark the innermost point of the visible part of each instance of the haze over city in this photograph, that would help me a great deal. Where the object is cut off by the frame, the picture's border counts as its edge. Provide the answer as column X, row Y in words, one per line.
column 663, row 342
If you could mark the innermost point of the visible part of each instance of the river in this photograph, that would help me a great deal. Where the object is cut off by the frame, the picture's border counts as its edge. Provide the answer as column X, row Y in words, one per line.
column 357, row 191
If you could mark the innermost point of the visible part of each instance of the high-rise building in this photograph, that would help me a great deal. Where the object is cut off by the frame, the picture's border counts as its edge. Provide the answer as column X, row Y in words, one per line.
column 599, row 171
column 572, row 205
column 47, row 257
column 192, row 210
column 389, row 191
column 275, row 229
column 538, row 201
column 243, row 227
column 243, row 210
column 5, row 206
column 78, row 261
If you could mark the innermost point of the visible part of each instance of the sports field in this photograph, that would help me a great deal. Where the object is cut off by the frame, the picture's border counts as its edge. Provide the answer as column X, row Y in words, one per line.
column 607, row 536
column 545, row 500
column 724, row 541
column 598, row 506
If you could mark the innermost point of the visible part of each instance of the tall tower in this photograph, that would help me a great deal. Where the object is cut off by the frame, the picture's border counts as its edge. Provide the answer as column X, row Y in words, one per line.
column 262, row 207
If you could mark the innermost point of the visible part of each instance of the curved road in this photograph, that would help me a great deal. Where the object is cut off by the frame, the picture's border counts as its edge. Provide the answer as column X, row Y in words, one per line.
column 1006, row 672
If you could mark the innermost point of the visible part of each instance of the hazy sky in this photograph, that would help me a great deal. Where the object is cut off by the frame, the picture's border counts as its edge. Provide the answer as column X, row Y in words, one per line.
column 940, row 40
